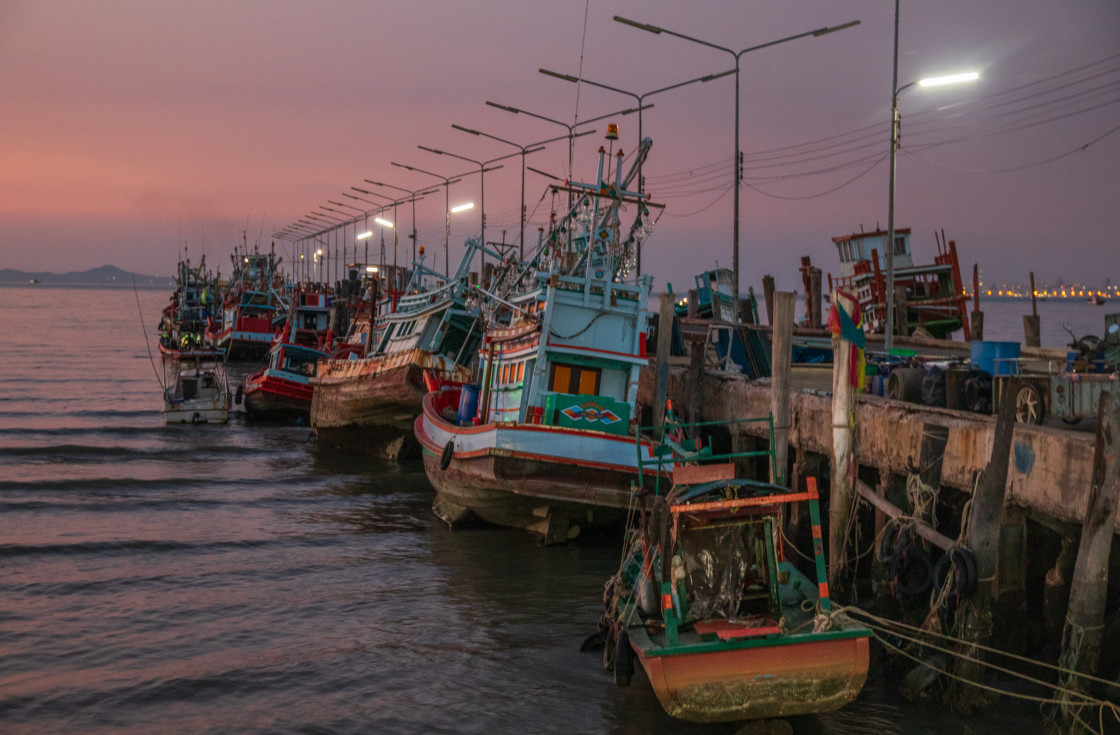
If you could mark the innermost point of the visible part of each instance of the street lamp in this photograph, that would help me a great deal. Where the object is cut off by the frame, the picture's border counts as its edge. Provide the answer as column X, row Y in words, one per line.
column 447, row 182
column 888, row 337
column 738, row 55
column 525, row 151
column 414, row 195
column 482, row 193
column 639, row 97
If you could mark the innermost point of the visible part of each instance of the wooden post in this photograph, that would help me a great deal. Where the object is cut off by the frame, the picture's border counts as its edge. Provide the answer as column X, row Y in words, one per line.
column 983, row 541
column 843, row 456
column 901, row 311
column 768, row 295
column 1031, row 326
column 813, row 298
column 693, row 304
column 696, row 381
column 664, row 341
column 1081, row 639
column 977, row 315
column 781, row 356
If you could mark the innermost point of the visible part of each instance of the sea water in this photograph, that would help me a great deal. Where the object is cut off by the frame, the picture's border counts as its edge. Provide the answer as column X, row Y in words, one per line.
column 241, row 578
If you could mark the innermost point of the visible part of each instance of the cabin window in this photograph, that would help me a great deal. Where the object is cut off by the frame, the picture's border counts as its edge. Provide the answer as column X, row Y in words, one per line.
column 520, row 372
column 574, row 379
column 899, row 245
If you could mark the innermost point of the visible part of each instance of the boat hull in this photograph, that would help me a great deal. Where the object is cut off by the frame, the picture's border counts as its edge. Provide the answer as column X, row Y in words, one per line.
column 196, row 413
column 273, row 397
column 765, row 680
column 547, row 479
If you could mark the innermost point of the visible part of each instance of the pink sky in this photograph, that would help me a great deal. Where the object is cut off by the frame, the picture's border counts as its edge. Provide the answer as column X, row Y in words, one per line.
column 129, row 128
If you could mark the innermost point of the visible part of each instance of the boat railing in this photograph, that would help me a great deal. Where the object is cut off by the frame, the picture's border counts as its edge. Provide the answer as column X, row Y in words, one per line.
column 679, row 446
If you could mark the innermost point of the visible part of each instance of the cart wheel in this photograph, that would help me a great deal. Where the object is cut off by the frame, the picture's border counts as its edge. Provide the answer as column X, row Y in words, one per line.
column 1028, row 405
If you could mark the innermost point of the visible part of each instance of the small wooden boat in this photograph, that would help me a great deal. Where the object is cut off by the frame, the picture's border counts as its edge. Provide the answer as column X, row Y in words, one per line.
column 199, row 394
column 725, row 627
column 281, row 390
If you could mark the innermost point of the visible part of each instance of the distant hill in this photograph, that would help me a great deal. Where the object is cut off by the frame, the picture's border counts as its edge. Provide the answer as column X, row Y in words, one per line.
column 106, row 275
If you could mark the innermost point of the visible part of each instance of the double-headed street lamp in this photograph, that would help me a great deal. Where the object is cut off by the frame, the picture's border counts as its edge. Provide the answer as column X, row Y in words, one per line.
column 737, row 55
column 888, row 337
column 481, row 196
column 413, row 196
column 639, row 97
column 447, row 182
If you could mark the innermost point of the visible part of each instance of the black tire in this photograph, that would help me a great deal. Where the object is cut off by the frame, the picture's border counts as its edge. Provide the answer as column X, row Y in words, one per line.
column 1029, row 408
column 911, row 571
column 623, row 659
column 448, row 453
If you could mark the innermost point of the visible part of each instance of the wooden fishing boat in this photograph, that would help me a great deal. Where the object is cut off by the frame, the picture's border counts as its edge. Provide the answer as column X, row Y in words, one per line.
column 254, row 308
column 370, row 402
column 281, row 390
column 183, row 322
column 935, row 295
column 544, row 440
column 723, row 624
column 197, row 395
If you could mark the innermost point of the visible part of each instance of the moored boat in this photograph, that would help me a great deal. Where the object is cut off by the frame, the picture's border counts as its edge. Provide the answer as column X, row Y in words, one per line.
column 544, row 440
column 281, row 390
column 724, row 626
column 254, row 308
column 370, row 402
column 183, row 322
column 198, row 395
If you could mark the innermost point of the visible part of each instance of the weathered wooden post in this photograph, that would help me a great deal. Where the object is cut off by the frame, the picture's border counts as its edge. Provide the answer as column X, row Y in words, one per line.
column 813, row 298
column 843, row 458
column 1081, row 639
column 984, row 526
column 664, row 340
column 977, row 315
column 693, row 304
column 781, row 356
column 768, row 295
column 1031, row 326
column 696, row 380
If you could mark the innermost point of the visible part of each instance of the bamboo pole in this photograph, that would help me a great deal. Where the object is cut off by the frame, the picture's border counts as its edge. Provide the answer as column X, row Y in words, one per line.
column 843, row 456
column 664, row 342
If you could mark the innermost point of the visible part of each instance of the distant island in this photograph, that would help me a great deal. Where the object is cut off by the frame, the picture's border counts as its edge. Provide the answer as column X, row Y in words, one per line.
column 105, row 276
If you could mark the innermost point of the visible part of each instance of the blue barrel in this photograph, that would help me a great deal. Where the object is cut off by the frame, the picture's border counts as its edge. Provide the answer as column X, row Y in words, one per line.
column 996, row 358
column 468, row 404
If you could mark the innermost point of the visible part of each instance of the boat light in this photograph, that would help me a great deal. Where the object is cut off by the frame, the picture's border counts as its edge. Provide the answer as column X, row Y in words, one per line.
column 371, row 269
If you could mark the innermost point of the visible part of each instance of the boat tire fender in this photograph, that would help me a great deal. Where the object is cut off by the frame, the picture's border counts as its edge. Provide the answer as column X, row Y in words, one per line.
column 623, row 658
column 911, row 571
column 957, row 569
column 240, row 394
column 196, row 418
column 448, row 453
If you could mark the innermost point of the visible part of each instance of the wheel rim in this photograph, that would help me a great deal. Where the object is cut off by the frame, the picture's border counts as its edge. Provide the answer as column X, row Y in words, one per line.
column 1028, row 406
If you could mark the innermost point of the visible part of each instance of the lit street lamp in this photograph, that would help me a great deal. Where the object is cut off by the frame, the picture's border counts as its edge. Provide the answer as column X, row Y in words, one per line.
column 414, row 195
column 738, row 55
column 447, row 182
column 888, row 337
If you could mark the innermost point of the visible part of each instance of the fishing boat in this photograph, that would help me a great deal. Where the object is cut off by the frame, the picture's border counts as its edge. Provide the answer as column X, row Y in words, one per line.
column 370, row 402
column 935, row 296
column 1095, row 299
column 544, row 439
column 198, row 395
column 724, row 625
column 183, row 322
column 254, row 308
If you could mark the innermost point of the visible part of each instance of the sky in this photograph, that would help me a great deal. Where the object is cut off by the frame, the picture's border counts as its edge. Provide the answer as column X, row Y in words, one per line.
column 130, row 129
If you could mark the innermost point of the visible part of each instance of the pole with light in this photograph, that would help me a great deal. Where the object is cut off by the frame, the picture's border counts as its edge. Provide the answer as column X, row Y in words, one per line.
column 447, row 182
column 888, row 337
column 481, row 196
column 737, row 56
column 415, row 195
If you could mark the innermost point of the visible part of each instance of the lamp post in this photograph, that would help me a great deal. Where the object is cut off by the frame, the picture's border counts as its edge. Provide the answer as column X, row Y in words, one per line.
column 414, row 195
column 639, row 97
column 447, row 182
column 525, row 151
column 482, row 193
column 737, row 55
column 888, row 337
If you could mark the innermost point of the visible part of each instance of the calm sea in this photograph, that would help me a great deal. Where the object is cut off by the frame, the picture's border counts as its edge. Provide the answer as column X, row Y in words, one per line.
column 240, row 578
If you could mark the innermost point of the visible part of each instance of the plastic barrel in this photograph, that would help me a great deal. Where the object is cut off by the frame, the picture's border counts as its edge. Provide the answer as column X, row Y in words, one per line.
column 468, row 404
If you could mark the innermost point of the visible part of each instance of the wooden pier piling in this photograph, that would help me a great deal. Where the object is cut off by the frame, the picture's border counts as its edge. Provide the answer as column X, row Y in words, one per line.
column 768, row 296
column 781, row 359
column 1032, row 328
column 1084, row 628
column 843, row 457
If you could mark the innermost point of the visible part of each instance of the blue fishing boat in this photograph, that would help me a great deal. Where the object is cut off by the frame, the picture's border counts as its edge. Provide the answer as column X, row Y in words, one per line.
column 544, row 439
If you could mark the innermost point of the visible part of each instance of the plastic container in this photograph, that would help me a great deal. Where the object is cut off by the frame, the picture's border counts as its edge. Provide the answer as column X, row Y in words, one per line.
column 468, row 404
column 996, row 358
